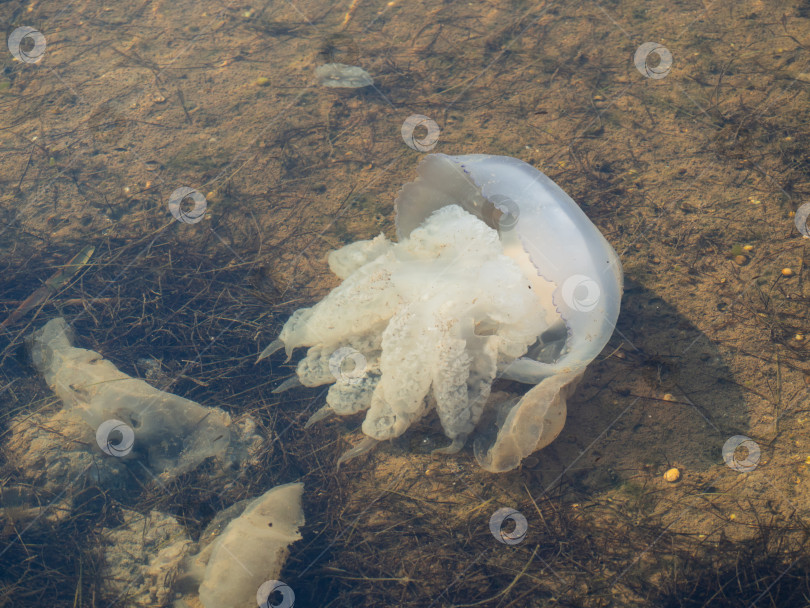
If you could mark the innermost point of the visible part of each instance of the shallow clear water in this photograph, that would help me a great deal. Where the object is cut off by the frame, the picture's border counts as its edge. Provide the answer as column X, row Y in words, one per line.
column 172, row 177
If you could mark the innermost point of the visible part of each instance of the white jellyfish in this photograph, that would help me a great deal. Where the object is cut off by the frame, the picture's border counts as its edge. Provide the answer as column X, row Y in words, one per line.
column 497, row 273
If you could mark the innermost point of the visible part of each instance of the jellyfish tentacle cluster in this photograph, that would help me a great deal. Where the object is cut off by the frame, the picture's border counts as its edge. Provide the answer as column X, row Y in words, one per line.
column 429, row 322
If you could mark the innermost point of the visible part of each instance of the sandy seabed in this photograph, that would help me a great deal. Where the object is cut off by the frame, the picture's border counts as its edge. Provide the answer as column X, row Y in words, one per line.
column 694, row 177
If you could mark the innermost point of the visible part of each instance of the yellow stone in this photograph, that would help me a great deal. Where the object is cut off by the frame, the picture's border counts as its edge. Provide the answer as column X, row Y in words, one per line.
column 672, row 475
column 787, row 272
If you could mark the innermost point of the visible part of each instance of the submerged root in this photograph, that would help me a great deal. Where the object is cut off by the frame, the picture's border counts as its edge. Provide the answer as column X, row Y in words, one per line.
column 289, row 383
column 368, row 444
column 322, row 413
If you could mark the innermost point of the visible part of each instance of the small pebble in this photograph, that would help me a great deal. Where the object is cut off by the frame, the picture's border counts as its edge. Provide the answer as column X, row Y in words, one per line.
column 798, row 337
column 748, row 247
column 672, row 475
column 740, row 260
column 262, row 81
column 787, row 272
column 669, row 397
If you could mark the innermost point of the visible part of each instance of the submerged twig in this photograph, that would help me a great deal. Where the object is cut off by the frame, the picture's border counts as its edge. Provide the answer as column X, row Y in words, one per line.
column 51, row 286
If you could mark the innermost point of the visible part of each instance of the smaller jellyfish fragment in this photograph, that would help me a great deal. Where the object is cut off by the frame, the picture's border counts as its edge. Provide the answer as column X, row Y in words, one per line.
column 342, row 76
